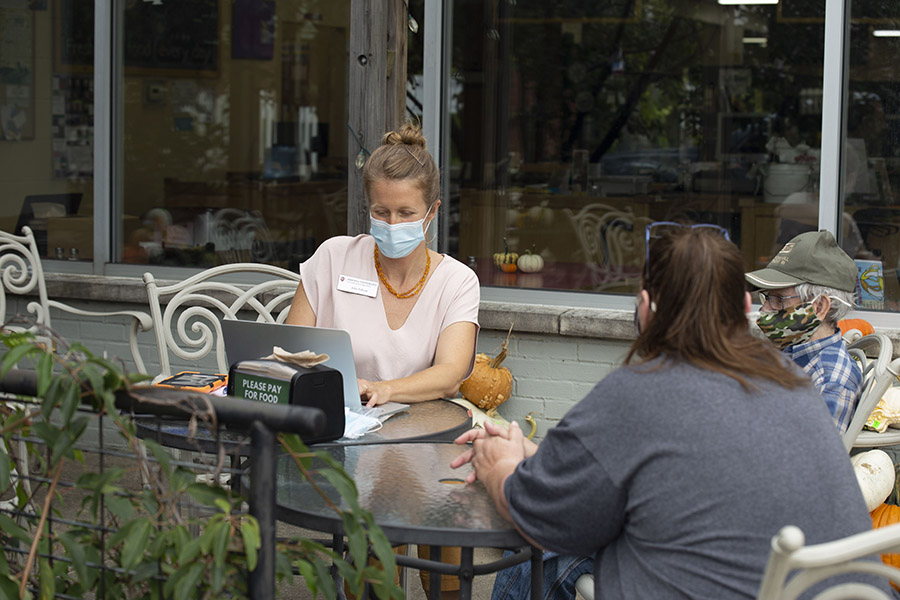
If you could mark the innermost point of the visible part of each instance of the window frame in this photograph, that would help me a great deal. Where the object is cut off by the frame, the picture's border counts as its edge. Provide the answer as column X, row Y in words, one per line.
column 107, row 184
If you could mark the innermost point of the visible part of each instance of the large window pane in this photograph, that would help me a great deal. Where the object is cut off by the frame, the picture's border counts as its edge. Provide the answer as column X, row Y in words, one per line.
column 872, row 151
column 235, row 130
column 574, row 124
column 46, row 126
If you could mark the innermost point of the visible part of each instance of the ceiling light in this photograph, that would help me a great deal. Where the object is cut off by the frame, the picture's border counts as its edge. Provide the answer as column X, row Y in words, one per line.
column 886, row 33
column 756, row 40
column 745, row 2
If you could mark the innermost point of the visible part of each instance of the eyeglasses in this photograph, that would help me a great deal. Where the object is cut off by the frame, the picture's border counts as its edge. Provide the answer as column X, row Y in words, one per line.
column 774, row 300
column 659, row 228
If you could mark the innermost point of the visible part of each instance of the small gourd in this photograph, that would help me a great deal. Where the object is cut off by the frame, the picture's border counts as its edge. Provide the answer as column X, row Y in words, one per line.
column 529, row 418
column 530, row 263
column 861, row 325
column 506, row 260
column 875, row 473
column 489, row 385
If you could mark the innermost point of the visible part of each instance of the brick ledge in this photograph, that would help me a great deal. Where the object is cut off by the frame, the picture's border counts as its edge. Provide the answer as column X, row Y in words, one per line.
column 598, row 323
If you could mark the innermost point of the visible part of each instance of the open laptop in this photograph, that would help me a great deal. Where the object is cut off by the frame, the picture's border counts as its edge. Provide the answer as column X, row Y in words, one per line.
column 250, row 340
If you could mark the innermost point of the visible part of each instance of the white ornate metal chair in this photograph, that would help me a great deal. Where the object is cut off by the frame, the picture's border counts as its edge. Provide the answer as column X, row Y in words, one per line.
column 584, row 585
column 879, row 374
column 612, row 244
column 186, row 315
column 22, row 274
column 816, row 563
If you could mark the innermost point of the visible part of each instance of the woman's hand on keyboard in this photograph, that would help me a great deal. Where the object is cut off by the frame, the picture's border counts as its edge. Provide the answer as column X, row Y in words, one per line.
column 373, row 393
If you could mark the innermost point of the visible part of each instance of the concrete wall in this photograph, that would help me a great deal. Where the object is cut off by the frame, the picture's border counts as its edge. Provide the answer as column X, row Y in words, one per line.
column 551, row 372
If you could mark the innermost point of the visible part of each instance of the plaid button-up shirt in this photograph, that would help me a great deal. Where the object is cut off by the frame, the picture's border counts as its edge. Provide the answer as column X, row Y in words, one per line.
column 834, row 373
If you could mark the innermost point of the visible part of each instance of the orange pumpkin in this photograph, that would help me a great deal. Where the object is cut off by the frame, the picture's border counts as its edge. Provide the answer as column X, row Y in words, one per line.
column 489, row 385
column 862, row 325
column 884, row 515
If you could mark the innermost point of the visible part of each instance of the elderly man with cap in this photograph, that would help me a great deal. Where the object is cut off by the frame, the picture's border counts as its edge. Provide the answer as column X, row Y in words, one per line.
column 805, row 290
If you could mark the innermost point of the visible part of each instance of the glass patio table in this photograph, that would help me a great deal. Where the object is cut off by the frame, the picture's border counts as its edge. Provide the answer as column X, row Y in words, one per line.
column 436, row 420
column 416, row 498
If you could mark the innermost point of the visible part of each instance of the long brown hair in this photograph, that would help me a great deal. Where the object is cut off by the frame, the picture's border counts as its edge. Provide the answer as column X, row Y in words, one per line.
column 695, row 278
column 403, row 155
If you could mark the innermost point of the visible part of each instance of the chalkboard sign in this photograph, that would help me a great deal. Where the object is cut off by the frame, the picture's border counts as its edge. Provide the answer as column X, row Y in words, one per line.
column 176, row 37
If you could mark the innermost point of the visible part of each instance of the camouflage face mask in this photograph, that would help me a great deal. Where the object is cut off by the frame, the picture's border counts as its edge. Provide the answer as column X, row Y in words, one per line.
column 789, row 326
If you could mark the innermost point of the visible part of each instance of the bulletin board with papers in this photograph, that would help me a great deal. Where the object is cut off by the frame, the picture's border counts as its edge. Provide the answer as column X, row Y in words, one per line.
column 72, row 126
column 16, row 73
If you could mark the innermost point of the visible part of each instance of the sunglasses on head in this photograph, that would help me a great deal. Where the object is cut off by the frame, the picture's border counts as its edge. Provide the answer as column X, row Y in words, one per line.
column 659, row 228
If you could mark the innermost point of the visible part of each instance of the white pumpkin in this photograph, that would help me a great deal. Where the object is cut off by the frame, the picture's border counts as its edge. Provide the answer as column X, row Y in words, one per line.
column 530, row 263
column 541, row 214
column 875, row 473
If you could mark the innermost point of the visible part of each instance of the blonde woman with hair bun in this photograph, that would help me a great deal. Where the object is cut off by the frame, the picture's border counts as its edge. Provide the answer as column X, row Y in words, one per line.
column 411, row 312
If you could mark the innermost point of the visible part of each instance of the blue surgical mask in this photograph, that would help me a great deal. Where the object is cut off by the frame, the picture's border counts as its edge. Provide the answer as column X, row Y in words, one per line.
column 397, row 240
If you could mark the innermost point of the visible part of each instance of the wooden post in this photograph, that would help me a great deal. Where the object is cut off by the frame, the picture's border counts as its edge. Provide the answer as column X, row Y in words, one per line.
column 397, row 47
column 368, row 83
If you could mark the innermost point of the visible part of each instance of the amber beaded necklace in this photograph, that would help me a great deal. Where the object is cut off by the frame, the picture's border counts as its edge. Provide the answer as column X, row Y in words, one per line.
column 415, row 289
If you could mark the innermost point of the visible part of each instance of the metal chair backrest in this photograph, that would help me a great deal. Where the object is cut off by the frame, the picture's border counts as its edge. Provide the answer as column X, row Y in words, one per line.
column 878, row 375
column 610, row 236
column 814, row 564
column 186, row 315
column 611, row 243
column 22, row 274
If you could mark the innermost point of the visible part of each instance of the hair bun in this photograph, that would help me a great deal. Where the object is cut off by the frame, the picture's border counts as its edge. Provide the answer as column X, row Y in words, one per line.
column 408, row 134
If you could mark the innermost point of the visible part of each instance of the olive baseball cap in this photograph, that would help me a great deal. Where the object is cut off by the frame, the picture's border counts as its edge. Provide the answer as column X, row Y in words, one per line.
column 813, row 257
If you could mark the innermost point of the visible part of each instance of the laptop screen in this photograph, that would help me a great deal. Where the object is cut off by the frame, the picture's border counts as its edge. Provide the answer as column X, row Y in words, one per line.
column 250, row 340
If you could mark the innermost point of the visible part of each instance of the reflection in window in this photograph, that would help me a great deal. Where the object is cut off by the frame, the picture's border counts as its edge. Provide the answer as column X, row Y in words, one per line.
column 575, row 125
column 234, row 130
column 872, row 152
column 47, row 125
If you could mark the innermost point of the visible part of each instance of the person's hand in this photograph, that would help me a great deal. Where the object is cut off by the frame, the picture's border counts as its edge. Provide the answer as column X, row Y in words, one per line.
column 496, row 456
column 476, row 433
column 465, row 458
column 373, row 393
column 470, row 436
column 490, row 446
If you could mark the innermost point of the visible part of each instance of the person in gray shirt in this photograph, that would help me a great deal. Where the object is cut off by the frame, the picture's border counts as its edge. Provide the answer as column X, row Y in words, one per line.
column 678, row 468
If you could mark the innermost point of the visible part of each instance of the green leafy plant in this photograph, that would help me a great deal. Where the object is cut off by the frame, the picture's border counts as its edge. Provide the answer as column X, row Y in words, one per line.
column 139, row 541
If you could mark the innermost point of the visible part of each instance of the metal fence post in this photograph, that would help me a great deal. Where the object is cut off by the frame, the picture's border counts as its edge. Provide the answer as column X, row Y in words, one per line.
column 262, row 506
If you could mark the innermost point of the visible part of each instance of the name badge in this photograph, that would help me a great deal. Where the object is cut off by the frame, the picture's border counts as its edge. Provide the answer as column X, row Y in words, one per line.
column 355, row 285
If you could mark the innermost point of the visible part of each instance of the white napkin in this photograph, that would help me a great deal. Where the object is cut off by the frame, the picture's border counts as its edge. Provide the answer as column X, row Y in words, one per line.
column 304, row 358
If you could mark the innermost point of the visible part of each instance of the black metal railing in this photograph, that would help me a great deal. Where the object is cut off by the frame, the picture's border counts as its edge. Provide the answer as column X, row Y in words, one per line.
column 251, row 432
